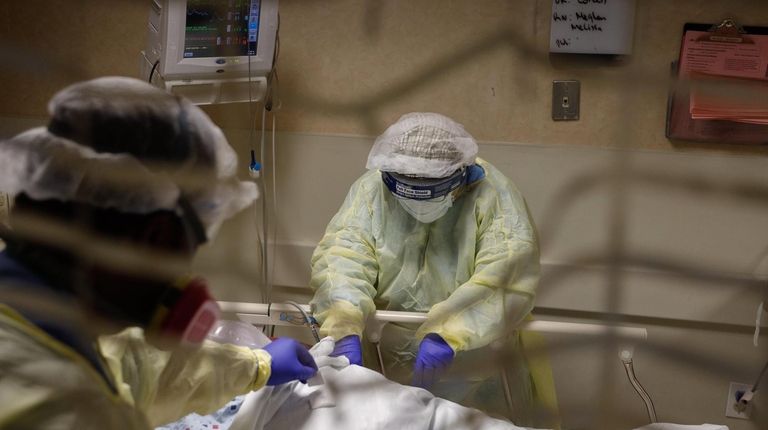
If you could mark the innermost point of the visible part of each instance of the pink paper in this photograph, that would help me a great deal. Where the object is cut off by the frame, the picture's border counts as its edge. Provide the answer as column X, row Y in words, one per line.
column 746, row 59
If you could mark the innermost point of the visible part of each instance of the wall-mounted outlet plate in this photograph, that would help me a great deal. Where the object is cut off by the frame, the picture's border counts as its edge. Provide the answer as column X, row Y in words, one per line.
column 565, row 100
column 732, row 408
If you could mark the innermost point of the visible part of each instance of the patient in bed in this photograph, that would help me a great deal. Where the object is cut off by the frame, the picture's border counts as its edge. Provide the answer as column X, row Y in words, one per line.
column 342, row 397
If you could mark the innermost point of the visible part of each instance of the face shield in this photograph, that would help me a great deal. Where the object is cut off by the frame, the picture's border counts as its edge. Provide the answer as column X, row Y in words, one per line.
column 423, row 189
column 425, row 199
column 425, row 158
column 428, row 199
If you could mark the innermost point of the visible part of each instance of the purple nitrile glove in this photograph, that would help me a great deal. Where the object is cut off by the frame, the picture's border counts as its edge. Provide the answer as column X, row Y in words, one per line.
column 433, row 358
column 290, row 361
column 349, row 346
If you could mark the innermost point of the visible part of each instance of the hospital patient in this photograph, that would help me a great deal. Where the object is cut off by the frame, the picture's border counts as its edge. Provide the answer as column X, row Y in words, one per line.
column 342, row 397
column 112, row 200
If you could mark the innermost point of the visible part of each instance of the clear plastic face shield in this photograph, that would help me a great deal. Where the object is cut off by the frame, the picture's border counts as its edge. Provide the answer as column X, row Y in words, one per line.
column 428, row 199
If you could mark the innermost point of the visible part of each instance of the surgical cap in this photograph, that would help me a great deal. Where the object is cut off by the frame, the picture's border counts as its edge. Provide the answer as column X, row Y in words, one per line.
column 427, row 145
column 121, row 143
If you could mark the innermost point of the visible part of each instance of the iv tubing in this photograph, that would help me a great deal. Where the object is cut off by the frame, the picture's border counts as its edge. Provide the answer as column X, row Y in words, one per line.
column 629, row 368
column 306, row 318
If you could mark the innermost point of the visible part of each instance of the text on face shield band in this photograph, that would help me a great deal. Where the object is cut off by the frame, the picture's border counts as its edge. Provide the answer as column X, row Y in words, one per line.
column 422, row 189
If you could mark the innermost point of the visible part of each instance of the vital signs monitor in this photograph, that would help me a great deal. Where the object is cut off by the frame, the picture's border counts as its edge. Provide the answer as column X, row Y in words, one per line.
column 211, row 51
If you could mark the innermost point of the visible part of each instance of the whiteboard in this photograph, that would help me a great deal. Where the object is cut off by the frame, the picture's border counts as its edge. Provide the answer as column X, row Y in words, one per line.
column 592, row 26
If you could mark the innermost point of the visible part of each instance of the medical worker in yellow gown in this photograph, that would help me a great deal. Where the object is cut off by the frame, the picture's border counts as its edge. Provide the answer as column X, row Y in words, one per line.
column 432, row 228
column 123, row 169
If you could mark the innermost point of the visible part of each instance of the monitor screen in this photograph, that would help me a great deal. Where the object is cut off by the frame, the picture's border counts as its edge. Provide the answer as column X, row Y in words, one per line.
column 221, row 28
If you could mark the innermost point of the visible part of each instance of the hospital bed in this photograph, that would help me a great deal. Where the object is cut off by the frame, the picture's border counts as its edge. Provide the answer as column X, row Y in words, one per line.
column 294, row 314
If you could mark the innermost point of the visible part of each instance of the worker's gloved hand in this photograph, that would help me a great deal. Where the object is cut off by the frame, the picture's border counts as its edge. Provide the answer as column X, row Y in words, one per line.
column 290, row 361
column 432, row 360
column 350, row 347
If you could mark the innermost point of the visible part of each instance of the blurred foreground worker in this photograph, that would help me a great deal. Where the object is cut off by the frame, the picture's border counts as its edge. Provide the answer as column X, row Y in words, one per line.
column 122, row 171
column 431, row 228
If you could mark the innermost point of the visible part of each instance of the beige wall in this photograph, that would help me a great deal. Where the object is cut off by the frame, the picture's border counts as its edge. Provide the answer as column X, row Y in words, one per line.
column 352, row 67
column 673, row 242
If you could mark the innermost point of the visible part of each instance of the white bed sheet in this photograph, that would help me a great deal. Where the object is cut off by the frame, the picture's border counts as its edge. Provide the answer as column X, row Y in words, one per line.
column 354, row 398
column 669, row 426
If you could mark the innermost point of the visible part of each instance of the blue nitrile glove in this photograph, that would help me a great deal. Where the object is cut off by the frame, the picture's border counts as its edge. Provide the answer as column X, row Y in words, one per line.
column 290, row 361
column 349, row 346
column 434, row 357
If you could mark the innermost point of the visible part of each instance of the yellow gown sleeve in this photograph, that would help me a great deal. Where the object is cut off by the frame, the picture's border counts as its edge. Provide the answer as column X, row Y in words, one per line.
column 500, row 292
column 167, row 385
column 344, row 266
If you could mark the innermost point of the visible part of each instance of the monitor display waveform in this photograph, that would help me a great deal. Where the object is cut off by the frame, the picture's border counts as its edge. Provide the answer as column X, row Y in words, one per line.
column 221, row 28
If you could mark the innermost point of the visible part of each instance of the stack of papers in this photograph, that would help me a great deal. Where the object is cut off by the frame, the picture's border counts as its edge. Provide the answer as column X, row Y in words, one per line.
column 730, row 99
column 728, row 77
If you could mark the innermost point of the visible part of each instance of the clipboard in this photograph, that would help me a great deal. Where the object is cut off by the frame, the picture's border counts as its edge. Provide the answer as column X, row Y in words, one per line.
column 727, row 36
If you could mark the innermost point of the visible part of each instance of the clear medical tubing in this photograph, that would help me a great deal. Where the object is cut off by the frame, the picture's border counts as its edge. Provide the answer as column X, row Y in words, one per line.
column 626, row 359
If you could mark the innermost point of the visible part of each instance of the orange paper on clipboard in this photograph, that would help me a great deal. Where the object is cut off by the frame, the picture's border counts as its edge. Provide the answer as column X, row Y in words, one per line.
column 737, row 56
column 721, row 91
column 732, row 99
column 728, row 74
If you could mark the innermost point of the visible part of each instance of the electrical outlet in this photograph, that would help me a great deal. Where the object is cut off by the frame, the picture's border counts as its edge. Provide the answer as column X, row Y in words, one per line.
column 565, row 100
column 732, row 407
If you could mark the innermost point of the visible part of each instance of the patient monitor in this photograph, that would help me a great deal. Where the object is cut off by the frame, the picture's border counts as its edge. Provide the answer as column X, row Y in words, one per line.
column 211, row 51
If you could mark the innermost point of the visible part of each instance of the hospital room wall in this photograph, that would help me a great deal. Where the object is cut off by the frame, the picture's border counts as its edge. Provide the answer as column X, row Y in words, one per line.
column 667, row 235
column 351, row 67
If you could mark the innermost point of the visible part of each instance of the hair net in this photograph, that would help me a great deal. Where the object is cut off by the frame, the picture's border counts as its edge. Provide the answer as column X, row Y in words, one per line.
column 120, row 143
column 428, row 145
